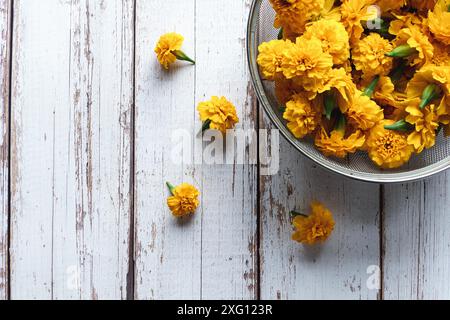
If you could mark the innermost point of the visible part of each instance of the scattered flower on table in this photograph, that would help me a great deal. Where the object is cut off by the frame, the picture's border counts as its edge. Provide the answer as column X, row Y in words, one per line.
column 184, row 200
column 168, row 49
column 315, row 227
column 218, row 114
column 359, row 80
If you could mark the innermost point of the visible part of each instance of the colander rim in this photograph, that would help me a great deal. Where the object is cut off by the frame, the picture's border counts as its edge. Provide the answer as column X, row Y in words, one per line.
column 380, row 178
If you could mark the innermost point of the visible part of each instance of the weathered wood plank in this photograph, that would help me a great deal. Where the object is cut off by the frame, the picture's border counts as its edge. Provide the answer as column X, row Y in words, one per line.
column 416, row 240
column 211, row 255
column 342, row 267
column 229, row 237
column 71, row 131
column 5, row 52
column 167, row 251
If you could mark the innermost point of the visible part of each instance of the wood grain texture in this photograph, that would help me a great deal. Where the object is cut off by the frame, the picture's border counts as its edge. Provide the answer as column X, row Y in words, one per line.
column 5, row 52
column 229, row 210
column 71, row 111
column 167, row 251
column 416, row 240
column 211, row 255
column 337, row 269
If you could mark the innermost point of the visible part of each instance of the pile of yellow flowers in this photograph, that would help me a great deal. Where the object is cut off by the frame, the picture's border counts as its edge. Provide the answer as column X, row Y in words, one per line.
column 362, row 75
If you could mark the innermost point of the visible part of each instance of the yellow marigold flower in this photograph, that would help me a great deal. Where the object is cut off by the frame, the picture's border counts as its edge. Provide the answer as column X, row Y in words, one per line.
column 184, row 200
column 392, row 102
column 403, row 21
column 416, row 39
column 334, row 39
column 439, row 23
column 218, row 113
column 303, row 117
column 315, row 228
column 294, row 14
column 307, row 63
column 363, row 113
column 426, row 76
column 441, row 55
column 329, row 11
column 369, row 56
column 387, row 5
column 387, row 148
column 336, row 144
column 426, row 122
column 168, row 49
column 423, row 5
column 285, row 89
column 354, row 13
column 336, row 80
column 270, row 57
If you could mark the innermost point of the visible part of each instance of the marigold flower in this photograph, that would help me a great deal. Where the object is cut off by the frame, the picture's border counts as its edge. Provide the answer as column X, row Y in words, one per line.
column 423, row 5
column 168, row 49
column 441, row 55
column 387, row 148
column 270, row 57
column 426, row 123
column 369, row 56
column 336, row 144
column 184, row 200
column 403, row 21
column 391, row 101
column 363, row 113
column 339, row 82
column 218, row 113
column 302, row 116
column 439, row 23
column 438, row 76
column 354, row 13
column 307, row 64
column 387, row 5
column 413, row 37
column 294, row 14
column 285, row 89
column 334, row 38
column 315, row 228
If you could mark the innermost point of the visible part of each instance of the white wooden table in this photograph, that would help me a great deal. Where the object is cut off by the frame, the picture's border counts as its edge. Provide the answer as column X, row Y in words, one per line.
column 85, row 132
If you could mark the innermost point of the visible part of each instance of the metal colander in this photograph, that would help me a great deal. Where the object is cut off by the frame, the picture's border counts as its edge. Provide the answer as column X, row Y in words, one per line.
column 357, row 166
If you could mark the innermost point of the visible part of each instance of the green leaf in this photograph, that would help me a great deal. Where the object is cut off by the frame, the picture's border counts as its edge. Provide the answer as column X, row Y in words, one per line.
column 401, row 125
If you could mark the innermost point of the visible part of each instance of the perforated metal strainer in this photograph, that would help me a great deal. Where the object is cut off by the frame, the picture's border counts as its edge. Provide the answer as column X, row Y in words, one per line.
column 357, row 166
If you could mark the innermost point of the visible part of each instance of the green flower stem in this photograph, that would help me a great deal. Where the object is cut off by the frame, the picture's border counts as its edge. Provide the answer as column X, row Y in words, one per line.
column 206, row 125
column 330, row 104
column 182, row 56
column 341, row 124
column 431, row 92
column 171, row 188
column 280, row 34
column 402, row 51
column 448, row 8
column 401, row 125
column 372, row 86
column 296, row 214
